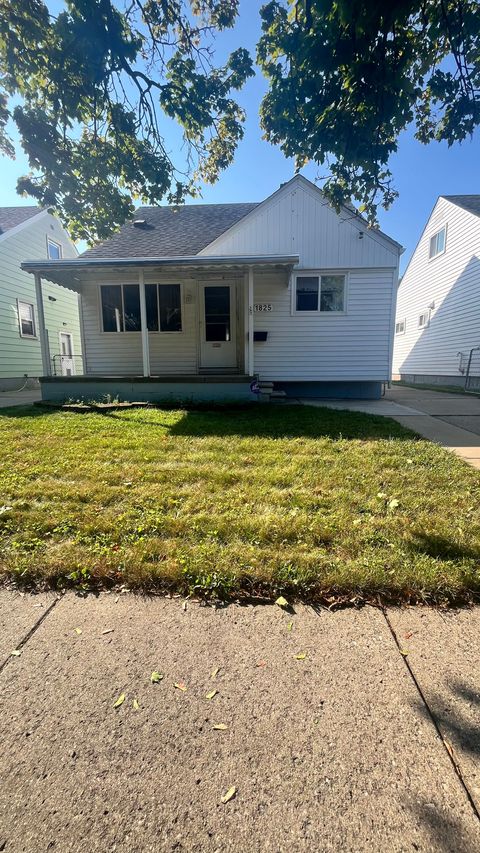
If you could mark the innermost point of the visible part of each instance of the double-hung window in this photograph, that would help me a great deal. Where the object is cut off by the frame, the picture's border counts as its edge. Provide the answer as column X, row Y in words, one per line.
column 323, row 292
column 400, row 327
column 120, row 304
column 26, row 320
column 54, row 250
column 437, row 243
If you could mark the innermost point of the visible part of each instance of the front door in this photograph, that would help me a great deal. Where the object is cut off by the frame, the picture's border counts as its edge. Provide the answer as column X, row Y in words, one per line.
column 66, row 354
column 218, row 326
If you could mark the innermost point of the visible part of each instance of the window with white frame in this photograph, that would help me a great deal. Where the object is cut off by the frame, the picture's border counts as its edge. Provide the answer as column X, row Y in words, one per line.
column 26, row 320
column 437, row 243
column 54, row 250
column 423, row 319
column 323, row 292
column 400, row 326
column 120, row 304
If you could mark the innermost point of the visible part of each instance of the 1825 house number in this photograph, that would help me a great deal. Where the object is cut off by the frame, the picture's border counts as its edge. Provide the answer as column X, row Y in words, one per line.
column 262, row 306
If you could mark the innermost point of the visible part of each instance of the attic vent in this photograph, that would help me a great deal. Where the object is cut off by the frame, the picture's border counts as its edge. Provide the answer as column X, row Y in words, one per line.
column 139, row 223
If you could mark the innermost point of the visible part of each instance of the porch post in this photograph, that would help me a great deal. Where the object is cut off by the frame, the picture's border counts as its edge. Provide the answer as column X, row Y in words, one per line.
column 42, row 331
column 143, row 324
column 250, row 321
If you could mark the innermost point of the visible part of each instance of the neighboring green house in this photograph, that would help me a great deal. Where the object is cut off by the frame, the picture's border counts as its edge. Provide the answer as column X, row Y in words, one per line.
column 29, row 232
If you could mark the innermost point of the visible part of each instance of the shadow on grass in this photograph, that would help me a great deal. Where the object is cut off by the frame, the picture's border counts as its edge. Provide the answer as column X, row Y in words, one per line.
column 438, row 546
column 272, row 421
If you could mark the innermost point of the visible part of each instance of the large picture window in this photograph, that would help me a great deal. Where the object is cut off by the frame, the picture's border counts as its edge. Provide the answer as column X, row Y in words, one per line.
column 121, row 307
column 325, row 293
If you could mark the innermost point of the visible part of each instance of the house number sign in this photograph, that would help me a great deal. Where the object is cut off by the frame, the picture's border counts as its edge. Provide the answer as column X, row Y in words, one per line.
column 262, row 306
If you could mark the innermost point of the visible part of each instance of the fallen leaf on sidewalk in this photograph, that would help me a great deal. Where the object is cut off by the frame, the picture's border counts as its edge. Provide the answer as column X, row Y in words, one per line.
column 16, row 653
column 229, row 794
column 220, row 727
column 282, row 602
column 78, row 631
column 289, row 626
column 211, row 694
column 120, row 701
column 301, row 656
column 262, row 663
column 136, row 706
column 404, row 652
column 184, row 605
column 108, row 631
column 214, row 672
column 156, row 677
column 180, row 686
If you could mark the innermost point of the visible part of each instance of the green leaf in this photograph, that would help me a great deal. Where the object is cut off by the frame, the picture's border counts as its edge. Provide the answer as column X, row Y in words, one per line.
column 220, row 727
column 282, row 602
column 289, row 626
column 119, row 701
column 393, row 504
column 301, row 656
column 156, row 677
column 214, row 672
column 211, row 694
column 136, row 706
column 16, row 653
column 229, row 794
column 78, row 631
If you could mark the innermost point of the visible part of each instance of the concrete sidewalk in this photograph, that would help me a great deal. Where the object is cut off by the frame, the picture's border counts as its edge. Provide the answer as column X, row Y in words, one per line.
column 19, row 398
column 451, row 420
column 334, row 751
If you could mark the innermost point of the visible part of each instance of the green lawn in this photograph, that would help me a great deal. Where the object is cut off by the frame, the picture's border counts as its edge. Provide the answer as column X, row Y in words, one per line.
column 308, row 502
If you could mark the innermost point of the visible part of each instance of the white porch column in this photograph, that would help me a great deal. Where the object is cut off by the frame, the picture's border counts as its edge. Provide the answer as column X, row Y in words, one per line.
column 143, row 323
column 42, row 331
column 250, row 322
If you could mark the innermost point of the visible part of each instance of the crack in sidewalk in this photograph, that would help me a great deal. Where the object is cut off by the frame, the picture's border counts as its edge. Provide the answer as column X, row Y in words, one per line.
column 446, row 745
column 31, row 632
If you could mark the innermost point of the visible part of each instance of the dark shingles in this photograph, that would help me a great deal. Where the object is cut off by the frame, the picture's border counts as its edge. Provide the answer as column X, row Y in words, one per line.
column 170, row 231
column 468, row 202
column 10, row 217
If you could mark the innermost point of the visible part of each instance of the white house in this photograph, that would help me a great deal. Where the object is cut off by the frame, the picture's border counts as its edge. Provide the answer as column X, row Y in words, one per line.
column 438, row 305
column 27, row 231
column 208, row 301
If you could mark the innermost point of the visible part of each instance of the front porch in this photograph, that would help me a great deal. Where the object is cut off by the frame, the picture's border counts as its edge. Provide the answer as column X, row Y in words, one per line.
column 159, row 329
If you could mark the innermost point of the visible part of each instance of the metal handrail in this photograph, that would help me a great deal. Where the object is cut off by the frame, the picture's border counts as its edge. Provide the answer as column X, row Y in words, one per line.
column 57, row 363
column 467, row 374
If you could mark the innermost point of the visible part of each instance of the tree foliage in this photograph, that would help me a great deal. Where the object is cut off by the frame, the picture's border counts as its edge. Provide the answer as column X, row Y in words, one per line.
column 92, row 89
column 346, row 77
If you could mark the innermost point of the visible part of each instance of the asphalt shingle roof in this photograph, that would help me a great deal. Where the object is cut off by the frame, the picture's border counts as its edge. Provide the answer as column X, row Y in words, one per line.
column 468, row 202
column 170, row 231
column 10, row 217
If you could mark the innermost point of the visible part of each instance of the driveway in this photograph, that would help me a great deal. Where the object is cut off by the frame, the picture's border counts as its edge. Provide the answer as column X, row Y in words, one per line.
column 19, row 398
column 461, row 410
column 348, row 731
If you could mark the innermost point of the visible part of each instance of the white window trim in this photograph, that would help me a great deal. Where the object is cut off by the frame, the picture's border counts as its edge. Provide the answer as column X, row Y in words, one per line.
column 127, row 284
column 54, row 243
column 439, row 254
column 425, row 314
column 33, row 337
column 307, row 272
column 397, row 323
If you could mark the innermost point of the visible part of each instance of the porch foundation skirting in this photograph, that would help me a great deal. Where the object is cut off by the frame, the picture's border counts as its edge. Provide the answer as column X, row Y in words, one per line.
column 139, row 389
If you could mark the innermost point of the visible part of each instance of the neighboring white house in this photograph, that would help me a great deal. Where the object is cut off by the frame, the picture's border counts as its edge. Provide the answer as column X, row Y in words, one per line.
column 199, row 300
column 27, row 231
column 438, row 303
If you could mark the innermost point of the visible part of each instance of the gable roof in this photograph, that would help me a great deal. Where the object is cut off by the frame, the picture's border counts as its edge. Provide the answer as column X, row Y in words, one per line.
column 468, row 202
column 176, row 231
column 11, row 217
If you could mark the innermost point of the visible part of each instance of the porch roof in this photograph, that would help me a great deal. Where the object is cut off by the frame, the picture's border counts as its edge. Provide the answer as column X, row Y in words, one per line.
column 67, row 272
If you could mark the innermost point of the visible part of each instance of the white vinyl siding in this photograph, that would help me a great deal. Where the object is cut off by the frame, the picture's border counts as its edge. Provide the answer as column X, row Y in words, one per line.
column 20, row 355
column 297, row 219
column 447, row 291
column 326, row 346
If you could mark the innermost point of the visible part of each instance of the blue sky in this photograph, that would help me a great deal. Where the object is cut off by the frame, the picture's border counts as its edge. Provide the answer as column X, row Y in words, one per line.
column 421, row 173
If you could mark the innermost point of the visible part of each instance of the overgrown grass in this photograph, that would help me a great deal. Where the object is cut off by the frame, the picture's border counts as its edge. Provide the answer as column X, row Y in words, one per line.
column 308, row 502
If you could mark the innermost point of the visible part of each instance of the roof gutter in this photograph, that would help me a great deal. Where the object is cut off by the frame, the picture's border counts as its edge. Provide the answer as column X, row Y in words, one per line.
column 77, row 264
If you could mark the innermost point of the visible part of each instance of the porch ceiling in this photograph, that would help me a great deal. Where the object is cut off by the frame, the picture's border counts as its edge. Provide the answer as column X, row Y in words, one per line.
column 69, row 273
